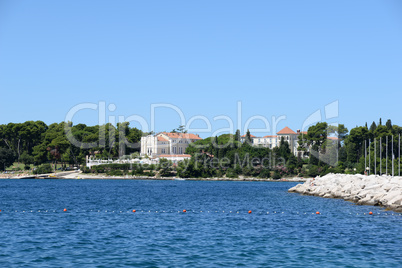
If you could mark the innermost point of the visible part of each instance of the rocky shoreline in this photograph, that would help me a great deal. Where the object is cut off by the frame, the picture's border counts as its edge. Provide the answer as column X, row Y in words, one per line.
column 89, row 176
column 371, row 190
column 130, row 177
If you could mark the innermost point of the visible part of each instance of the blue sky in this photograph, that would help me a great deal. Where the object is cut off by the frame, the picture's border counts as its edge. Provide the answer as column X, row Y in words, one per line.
column 278, row 58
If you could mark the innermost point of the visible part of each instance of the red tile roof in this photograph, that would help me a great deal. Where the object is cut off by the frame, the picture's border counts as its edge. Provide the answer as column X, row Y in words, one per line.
column 174, row 155
column 286, row 130
column 182, row 136
column 161, row 138
column 251, row 136
column 270, row 136
column 333, row 138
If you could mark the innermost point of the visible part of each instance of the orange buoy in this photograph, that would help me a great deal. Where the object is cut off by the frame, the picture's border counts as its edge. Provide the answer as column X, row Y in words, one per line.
column 370, row 213
column 317, row 212
column 0, row 210
column 249, row 212
column 65, row 210
column 184, row 210
column 134, row 210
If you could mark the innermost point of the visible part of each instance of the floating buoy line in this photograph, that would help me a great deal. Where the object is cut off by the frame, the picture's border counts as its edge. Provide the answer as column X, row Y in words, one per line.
column 134, row 211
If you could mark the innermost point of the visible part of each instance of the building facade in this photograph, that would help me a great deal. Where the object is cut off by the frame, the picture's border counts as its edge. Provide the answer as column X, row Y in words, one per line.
column 167, row 143
column 272, row 141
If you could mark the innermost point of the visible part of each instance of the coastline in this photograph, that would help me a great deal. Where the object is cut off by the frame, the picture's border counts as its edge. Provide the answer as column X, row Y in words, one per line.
column 82, row 176
column 384, row 191
column 130, row 177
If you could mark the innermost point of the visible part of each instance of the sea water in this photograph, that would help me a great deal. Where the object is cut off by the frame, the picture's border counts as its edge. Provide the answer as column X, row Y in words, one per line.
column 100, row 229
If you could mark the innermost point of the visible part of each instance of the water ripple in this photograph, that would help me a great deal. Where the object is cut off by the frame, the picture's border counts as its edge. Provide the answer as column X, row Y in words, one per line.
column 99, row 228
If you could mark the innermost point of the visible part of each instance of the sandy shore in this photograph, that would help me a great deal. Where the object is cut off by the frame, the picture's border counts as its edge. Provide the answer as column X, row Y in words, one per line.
column 26, row 175
column 372, row 190
column 13, row 175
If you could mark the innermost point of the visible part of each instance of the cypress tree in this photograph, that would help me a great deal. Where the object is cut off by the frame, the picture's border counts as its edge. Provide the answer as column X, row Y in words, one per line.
column 237, row 135
column 373, row 127
column 389, row 124
column 248, row 137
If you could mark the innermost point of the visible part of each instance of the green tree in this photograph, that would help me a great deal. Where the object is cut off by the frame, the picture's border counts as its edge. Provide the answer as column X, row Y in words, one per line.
column 388, row 124
column 316, row 137
column 237, row 135
column 7, row 158
column 248, row 138
column 342, row 132
column 373, row 127
column 283, row 149
column 26, row 158
column 355, row 141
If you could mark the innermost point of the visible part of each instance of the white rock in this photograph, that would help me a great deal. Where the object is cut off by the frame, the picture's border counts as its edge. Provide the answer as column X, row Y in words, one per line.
column 369, row 190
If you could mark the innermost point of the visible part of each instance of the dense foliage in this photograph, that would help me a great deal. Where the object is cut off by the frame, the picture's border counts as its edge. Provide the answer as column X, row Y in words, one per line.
column 34, row 142
column 323, row 149
column 354, row 151
column 383, row 139
column 227, row 156
column 163, row 169
column 319, row 151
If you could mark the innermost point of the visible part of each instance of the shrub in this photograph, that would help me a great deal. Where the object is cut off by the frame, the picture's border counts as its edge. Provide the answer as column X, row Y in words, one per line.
column 313, row 171
column 276, row 175
column 265, row 173
column 230, row 173
column 85, row 169
column 42, row 169
column 115, row 173
column 149, row 174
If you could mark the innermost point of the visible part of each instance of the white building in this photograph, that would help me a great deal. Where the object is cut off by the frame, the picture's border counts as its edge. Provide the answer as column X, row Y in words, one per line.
column 272, row 141
column 166, row 143
column 269, row 141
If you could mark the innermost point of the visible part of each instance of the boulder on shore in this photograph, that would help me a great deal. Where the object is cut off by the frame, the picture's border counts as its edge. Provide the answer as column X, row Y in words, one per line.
column 364, row 190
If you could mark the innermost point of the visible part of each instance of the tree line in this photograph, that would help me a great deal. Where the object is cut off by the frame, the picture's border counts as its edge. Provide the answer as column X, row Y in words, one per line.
column 227, row 156
column 323, row 149
column 34, row 142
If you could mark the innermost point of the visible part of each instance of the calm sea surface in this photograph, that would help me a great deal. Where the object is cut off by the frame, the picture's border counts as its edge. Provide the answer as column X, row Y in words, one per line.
column 99, row 228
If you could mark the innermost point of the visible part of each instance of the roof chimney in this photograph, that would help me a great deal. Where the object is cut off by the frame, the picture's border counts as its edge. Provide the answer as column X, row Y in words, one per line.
column 298, row 131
